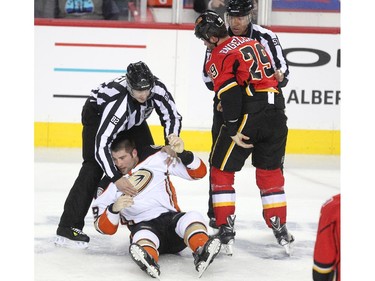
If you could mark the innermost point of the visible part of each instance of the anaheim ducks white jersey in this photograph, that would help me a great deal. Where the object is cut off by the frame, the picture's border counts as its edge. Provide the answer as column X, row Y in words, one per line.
column 154, row 196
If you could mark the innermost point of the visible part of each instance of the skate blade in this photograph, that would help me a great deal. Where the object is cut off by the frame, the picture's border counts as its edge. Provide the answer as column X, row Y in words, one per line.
column 64, row 242
column 228, row 248
column 287, row 249
column 213, row 249
column 138, row 255
column 288, row 246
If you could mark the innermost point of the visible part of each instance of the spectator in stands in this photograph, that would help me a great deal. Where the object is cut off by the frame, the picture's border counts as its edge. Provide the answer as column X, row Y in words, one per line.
column 199, row 6
column 45, row 9
column 219, row 6
column 88, row 9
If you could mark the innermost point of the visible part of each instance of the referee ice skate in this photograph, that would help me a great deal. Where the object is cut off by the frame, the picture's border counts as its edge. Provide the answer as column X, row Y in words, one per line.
column 120, row 106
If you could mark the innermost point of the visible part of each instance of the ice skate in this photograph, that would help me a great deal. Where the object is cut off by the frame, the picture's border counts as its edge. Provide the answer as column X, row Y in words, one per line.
column 205, row 255
column 226, row 235
column 212, row 223
column 144, row 261
column 214, row 228
column 283, row 237
column 70, row 237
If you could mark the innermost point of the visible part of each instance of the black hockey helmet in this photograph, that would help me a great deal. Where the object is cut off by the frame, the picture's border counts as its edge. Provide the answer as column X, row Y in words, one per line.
column 139, row 76
column 210, row 24
column 239, row 8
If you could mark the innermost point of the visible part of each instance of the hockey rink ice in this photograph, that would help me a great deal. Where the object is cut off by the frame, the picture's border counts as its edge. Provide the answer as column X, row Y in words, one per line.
column 309, row 181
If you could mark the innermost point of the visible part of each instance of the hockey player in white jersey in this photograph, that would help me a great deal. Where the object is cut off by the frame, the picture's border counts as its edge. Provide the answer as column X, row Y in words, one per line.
column 156, row 224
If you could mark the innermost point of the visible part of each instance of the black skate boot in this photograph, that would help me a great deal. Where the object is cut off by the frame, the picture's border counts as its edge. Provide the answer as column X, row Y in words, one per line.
column 144, row 260
column 283, row 237
column 205, row 255
column 70, row 237
column 226, row 235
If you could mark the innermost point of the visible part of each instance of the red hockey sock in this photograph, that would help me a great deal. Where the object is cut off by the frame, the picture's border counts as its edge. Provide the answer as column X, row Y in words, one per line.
column 271, row 186
column 223, row 194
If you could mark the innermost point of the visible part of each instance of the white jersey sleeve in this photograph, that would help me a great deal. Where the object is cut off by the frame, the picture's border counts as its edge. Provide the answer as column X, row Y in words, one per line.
column 155, row 192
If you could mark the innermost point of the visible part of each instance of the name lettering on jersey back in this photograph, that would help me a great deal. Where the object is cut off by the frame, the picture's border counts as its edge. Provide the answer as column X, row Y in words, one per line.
column 234, row 43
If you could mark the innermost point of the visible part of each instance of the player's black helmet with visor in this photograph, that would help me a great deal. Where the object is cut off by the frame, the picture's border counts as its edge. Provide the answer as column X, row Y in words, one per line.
column 139, row 77
column 210, row 24
column 239, row 8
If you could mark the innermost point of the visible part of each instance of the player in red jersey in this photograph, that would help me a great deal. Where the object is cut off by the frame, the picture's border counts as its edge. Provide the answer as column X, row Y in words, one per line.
column 327, row 245
column 254, row 124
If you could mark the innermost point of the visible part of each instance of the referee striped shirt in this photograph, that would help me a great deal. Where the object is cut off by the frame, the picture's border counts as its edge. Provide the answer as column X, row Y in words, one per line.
column 120, row 112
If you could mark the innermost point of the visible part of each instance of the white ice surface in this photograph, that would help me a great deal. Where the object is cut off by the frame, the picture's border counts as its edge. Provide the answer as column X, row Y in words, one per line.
column 309, row 181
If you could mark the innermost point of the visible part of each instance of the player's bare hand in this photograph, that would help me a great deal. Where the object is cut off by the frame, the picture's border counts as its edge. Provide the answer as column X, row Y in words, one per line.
column 279, row 75
column 217, row 3
column 219, row 107
column 172, row 158
column 239, row 140
column 124, row 185
column 176, row 143
column 122, row 202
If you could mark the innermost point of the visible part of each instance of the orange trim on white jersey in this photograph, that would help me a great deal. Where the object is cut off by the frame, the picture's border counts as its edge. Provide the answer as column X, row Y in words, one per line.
column 199, row 172
column 104, row 225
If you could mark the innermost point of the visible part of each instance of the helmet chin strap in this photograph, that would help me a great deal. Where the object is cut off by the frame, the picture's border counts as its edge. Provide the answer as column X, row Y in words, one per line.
column 213, row 43
column 217, row 41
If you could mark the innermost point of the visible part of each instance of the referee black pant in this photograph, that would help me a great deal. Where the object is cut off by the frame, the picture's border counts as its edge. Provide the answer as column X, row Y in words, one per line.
column 84, row 188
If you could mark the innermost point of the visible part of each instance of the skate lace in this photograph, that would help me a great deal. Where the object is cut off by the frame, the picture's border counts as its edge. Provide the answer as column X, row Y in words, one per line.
column 78, row 231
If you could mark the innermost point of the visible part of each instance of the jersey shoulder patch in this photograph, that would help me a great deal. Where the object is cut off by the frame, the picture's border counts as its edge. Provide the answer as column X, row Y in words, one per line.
column 102, row 186
column 140, row 179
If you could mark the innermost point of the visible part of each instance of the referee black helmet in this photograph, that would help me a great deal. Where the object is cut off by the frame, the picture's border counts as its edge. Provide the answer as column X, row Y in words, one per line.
column 139, row 77
column 239, row 8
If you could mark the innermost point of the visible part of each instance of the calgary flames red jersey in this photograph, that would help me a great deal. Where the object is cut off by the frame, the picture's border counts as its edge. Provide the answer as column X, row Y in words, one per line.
column 244, row 60
column 327, row 244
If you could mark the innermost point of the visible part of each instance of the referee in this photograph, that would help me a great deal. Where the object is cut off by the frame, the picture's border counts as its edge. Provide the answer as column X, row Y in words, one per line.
column 120, row 106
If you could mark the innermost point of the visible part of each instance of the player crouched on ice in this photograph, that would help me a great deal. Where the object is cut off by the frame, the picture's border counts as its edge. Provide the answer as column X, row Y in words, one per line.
column 153, row 217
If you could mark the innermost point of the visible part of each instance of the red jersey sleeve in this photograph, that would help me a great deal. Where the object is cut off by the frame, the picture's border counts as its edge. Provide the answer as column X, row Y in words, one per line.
column 327, row 245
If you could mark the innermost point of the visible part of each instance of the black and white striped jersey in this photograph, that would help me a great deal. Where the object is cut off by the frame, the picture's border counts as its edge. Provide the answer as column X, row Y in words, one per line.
column 270, row 42
column 120, row 112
